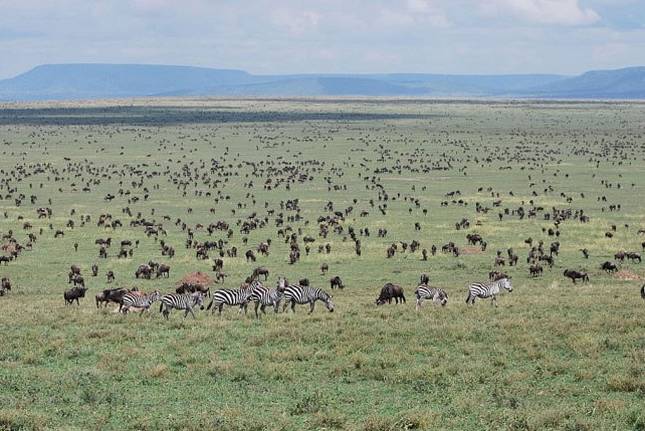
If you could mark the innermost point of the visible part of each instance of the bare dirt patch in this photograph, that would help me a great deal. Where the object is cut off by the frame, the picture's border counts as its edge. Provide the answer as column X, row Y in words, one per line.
column 627, row 275
column 199, row 278
column 470, row 250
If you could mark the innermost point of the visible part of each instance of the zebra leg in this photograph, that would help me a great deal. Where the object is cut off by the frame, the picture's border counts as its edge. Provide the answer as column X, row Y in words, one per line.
column 190, row 309
column 221, row 305
column 257, row 304
column 210, row 305
column 293, row 305
column 494, row 301
column 311, row 306
column 262, row 309
column 419, row 301
column 284, row 306
column 166, row 311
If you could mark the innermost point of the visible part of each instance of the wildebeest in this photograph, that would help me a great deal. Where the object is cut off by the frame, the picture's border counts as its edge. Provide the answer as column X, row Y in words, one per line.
column 324, row 268
column 74, row 294
column 193, row 287
column 535, row 270
column 261, row 270
column 163, row 270
column 5, row 286
column 110, row 295
column 336, row 282
column 575, row 275
column 143, row 271
column 496, row 275
column 609, row 267
column 390, row 291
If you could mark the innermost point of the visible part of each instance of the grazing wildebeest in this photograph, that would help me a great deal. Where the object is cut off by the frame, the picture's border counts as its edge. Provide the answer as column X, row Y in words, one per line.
column 633, row 256
column 575, row 275
column 535, row 270
column 609, row 267
column 424, row 279
column 110, row 276
column 261, row 270
column 324, row 268
column 74, row 294
column 390, row 291
column 143, row 271
column 6, row 259
column 163, row 270
column 95, row 270
column 336, row 282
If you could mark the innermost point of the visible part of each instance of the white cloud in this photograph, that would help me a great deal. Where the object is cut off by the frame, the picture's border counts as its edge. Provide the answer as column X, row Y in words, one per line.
column 553, row 12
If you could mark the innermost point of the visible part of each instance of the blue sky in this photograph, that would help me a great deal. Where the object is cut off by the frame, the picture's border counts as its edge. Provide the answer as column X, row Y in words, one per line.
column 352, row 36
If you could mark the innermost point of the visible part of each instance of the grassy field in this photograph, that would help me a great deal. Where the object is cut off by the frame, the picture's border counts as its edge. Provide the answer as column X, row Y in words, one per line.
column 552, row 355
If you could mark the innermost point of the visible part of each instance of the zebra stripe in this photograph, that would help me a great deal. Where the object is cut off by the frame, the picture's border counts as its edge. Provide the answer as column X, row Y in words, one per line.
column 185, row 301
column 136, row 300
column 263, row 296
column 425, row 292
column 488, row 290
column 295, row 294
column 231, row 297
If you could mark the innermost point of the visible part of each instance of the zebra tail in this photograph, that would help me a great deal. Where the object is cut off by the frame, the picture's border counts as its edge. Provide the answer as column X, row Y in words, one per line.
column 160, row 306
column 210, row 304
column 468, row 298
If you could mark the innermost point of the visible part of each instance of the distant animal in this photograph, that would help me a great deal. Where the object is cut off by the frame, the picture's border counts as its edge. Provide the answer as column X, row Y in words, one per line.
column 488, row 290
column 186, row 301
column 496, row 275
column 260, row 271
column 390, row 291
column 296, row 294
column 5, row 286
column 535, row 270
column 74, row 294
column 575, row 275
column 163, row 271
column 424, row 292
column 643, row 291
column 110, row 295
column 336, row 282
column 609, row 267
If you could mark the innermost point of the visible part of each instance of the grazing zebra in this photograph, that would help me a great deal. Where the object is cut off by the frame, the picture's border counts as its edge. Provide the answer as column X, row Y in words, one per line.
column 488, row 290
column 423, row 292
column 263, row 296
column 136, row 300
column 296, row 294
column 240, row 297
column 185, row 301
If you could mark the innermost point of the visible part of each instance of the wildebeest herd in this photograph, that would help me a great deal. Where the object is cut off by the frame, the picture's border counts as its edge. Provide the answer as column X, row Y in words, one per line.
column 234, row 200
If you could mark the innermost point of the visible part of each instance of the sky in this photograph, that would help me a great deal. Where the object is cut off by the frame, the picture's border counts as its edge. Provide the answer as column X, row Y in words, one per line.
column 328, row 36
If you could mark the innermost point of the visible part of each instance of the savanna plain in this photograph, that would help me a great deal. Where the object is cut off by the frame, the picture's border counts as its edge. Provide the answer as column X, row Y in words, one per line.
column 551, row 355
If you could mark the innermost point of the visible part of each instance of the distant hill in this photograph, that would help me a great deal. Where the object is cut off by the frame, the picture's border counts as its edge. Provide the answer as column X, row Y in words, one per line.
column 96, row 81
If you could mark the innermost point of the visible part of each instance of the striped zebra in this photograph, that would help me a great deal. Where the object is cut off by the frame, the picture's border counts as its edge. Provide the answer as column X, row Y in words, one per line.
column 435, row 294
column 181, row 301
column 295, row 294
column 231, row 297
column 488, row 290
column 136, row 300
column 263, row 296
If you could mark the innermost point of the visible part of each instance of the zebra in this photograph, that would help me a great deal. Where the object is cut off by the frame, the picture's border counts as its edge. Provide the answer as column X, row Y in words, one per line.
column 185, row 301
column 239, row 297
column 295, row 294
column 488, row 290
column 437, row 295
column 263, row 296
column 135, row 299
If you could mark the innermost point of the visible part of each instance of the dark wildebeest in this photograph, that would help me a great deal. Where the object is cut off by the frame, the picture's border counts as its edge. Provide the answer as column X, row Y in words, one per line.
column 110, row 276
column 73, row 271
column 5, row 286
column 324, row 268
column 633, row 256
column 496, row 275
column 609, row 267
column 261, row 270
column 535, row 270
column 110, row 295
column 163, row 270
column 575, row 275
column 143, row 271
column 250, row 256
column 336, row 282
column 424, row 279
column 388, row 292
column 74, row 294
column 95, row 270
column 192, row 288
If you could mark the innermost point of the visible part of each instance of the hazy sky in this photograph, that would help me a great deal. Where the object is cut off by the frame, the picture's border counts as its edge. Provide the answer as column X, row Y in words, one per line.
column 291, row 36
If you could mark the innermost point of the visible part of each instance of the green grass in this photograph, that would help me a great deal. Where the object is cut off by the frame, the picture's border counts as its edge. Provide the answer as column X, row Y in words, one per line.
column 551, row 356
